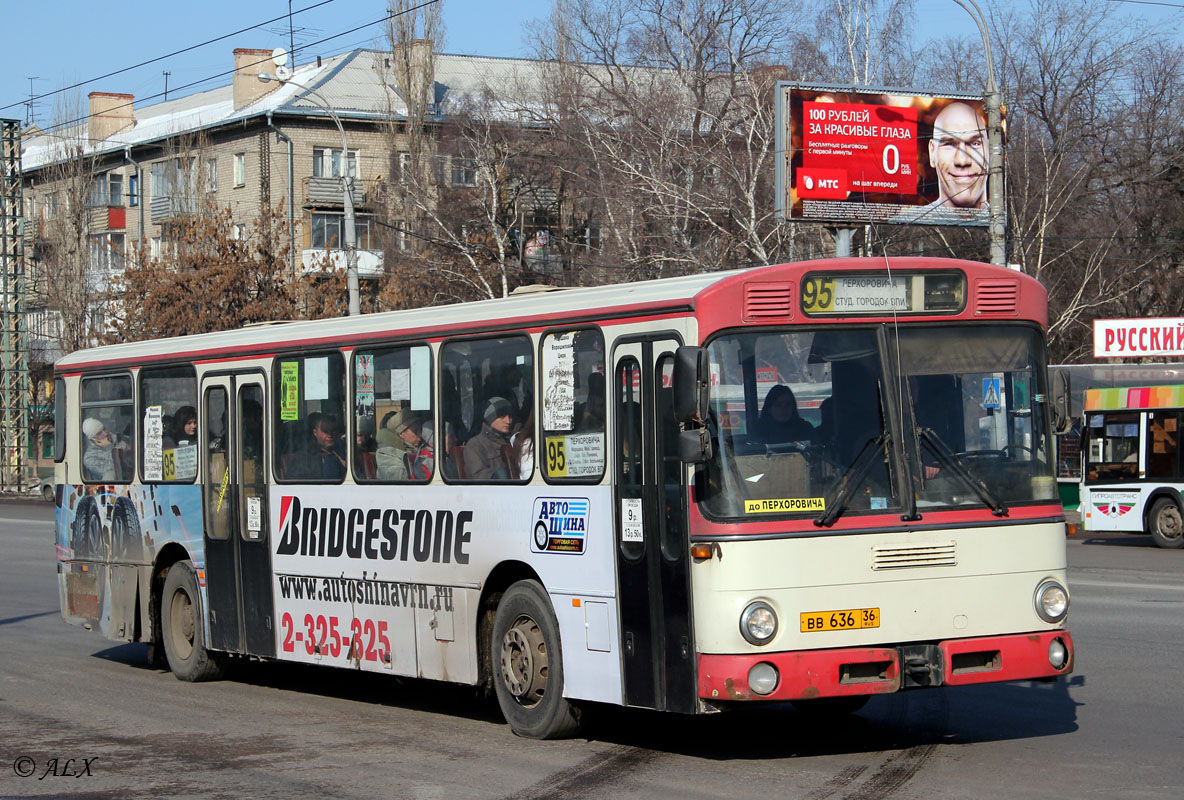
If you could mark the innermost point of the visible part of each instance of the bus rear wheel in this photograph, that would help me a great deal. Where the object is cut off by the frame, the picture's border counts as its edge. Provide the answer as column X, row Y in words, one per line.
column 182, row 625
column 528, row 665
column 1166, row 523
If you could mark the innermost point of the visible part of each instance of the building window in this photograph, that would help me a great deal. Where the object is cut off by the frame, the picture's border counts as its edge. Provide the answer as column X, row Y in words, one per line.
column 51, row 206
column 327, row 231
column 211, row 174
column 240, row 169
column 464, row 172
column 106, row 190
column 133, row 190
column 240, row 231
column 326, row 162
column 404, row 165
column 154, row 247
column 106, row 252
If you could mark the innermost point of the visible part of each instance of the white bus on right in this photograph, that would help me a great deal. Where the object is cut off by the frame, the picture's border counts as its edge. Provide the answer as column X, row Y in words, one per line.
column 1133, row 474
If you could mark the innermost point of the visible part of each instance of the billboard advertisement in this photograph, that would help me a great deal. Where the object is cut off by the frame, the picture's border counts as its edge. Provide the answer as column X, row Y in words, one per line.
column 854, row 157
column 1139, row 338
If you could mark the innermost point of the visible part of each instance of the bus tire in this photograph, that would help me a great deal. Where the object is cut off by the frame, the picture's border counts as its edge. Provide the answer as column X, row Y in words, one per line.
column 528, row 665
column 1166, row 523
column 181, row 618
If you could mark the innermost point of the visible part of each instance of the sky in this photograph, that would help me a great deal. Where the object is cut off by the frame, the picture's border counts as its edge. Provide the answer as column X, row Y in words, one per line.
column 63, row 42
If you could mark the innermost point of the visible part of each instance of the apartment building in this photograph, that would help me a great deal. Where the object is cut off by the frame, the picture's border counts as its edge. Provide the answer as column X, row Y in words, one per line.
column 127, row 171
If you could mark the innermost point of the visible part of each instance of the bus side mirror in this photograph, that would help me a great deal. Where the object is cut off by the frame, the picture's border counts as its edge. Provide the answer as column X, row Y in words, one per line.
column 691, row 382
column 694, row 446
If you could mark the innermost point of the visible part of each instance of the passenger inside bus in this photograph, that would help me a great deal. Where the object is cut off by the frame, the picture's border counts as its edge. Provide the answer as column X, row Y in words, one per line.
column 779, row 420
column 105, row 452
column 487, row 453
column 325, row 459
column 405, row 451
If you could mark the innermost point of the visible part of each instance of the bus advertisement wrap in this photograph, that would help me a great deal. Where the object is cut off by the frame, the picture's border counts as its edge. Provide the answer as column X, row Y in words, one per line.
column 899, row 158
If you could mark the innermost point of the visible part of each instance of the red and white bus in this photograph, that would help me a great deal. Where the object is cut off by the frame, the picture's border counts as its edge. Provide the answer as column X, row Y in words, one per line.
column 599, row 495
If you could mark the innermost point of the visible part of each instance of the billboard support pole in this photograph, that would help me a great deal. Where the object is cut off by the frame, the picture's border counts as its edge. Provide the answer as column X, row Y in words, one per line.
column 843, row 242
column 994, row 103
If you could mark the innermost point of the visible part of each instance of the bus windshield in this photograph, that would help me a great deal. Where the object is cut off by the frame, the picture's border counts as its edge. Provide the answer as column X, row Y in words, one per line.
column 838, row 420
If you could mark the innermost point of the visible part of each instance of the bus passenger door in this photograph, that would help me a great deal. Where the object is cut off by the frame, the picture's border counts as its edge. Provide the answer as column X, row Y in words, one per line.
column 653, row 559
column 238, row 558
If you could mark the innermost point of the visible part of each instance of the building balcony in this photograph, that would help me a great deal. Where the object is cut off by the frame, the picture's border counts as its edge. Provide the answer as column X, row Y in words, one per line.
column 327, row 193
column 167, row 208
column 370, row 263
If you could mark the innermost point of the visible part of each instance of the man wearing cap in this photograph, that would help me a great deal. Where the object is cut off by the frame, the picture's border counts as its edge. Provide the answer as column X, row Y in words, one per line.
column 99, row 462
column 404, row 454
column 485, row 453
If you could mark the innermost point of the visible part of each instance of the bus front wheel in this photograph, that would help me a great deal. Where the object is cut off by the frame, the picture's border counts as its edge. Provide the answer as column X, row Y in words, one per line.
column 1166, row 523
column 182, row 625
column 528, row 665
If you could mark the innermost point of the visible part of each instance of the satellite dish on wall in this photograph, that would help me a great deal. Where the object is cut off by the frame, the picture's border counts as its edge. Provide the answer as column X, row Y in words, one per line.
column 283, row 73
column 279, row 56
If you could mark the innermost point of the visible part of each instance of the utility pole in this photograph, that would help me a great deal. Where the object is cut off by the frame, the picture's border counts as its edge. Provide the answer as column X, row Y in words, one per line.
column 993, row 100
column 14, row 369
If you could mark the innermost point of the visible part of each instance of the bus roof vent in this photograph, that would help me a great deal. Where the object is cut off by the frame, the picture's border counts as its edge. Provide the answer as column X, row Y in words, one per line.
column 996, row 296
column 932, row 555
column 764, row 301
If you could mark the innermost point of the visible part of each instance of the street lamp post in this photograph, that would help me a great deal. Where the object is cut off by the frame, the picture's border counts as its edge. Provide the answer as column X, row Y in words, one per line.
column 347, row 182
column 994, row 103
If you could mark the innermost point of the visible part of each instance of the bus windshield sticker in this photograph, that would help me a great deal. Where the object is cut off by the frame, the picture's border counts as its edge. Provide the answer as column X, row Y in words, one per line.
column 631, row 522
column 290, row 391
column 560, row 525
column 421, row 379
column 316, row 378
column 788, row 505
column 153, row 444
column 559, row 382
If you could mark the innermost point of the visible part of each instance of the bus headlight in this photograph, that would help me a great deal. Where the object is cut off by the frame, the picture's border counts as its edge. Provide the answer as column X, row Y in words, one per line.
column 1052, row 601
column 758, row 623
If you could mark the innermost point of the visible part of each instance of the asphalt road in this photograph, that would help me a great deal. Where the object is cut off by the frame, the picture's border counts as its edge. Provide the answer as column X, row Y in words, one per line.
column 90, row 718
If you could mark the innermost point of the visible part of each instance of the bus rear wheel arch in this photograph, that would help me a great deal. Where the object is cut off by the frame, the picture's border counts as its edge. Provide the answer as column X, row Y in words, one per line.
column 182, row 627
column 1166, row 523
column 528, row 665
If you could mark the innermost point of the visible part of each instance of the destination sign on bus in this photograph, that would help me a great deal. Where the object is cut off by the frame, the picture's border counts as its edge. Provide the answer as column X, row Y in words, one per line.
column 882, row 293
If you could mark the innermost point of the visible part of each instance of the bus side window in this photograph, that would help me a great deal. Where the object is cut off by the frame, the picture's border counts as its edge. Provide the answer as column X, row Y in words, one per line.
column 309, row 419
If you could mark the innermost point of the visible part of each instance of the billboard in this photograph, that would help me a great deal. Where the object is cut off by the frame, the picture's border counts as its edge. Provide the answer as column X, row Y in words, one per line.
column 848, row 156
column 1139, row 338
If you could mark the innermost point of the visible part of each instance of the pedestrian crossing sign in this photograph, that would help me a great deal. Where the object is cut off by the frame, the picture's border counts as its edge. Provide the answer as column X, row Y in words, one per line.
column 991, row 393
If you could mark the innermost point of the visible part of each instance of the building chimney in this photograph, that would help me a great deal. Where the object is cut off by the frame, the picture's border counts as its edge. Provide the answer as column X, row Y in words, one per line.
column 415, row 74
column 109, row 114
column 247, row 66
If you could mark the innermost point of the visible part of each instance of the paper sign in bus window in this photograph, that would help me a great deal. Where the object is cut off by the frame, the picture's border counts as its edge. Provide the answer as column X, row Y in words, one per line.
column 316, row 378
column 153, row 444
column 421, row 379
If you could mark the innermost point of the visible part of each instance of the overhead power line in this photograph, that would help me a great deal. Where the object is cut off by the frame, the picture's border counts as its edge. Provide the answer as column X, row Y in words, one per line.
column 161, row 58
column 223, row 74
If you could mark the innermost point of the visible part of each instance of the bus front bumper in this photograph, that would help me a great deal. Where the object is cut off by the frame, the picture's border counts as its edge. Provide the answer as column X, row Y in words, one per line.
column 810, row 674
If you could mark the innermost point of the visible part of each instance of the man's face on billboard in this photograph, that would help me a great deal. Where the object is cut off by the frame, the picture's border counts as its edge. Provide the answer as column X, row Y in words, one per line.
column 958, row 151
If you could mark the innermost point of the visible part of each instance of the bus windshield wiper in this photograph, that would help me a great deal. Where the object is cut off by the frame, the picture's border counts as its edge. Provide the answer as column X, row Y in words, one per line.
column 836, row 500
column 953, row 462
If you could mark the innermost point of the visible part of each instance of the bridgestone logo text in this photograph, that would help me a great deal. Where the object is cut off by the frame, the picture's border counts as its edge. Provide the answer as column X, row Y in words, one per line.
column 375, row 533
